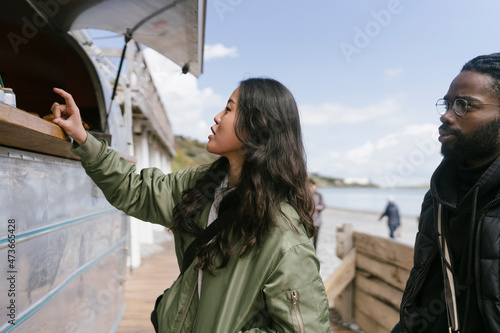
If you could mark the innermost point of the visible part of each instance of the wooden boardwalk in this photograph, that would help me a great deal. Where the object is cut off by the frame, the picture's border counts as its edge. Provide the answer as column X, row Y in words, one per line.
column 156, row 273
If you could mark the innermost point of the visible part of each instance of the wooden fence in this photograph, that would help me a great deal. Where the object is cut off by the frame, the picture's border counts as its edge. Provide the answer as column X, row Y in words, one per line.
column 368, row 285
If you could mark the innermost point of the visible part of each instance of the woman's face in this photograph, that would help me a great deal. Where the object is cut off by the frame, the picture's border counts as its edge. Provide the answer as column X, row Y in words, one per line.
column 223, row 141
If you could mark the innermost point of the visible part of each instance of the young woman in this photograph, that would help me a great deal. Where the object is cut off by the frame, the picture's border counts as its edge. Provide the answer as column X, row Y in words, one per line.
column 257, row 272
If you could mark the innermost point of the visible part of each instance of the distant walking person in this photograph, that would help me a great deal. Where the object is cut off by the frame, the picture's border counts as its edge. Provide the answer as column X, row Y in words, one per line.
column 318, row 207
column 392, row 213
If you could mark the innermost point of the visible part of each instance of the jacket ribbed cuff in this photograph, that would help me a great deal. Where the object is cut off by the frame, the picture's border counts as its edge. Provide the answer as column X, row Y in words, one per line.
column 89, row 150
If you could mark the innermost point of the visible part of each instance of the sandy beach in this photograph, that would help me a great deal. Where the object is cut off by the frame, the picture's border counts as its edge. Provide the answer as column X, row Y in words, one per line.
column 366, row 222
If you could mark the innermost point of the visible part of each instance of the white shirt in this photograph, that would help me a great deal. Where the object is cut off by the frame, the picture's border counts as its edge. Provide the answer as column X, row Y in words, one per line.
column 212, row 216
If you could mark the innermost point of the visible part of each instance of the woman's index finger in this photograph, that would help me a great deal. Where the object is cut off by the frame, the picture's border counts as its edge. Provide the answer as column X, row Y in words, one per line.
column 67, row 97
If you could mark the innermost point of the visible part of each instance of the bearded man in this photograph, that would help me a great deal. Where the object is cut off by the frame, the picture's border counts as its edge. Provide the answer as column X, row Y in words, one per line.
column 454, row 285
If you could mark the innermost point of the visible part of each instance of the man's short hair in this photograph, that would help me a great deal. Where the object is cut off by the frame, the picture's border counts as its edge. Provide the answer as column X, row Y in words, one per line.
column 489, row 65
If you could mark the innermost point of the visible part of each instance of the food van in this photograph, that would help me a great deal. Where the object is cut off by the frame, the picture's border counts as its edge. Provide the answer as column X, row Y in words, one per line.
column 63, row 248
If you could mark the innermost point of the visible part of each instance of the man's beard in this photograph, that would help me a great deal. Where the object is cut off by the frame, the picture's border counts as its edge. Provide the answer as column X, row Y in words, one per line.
column 480, row 144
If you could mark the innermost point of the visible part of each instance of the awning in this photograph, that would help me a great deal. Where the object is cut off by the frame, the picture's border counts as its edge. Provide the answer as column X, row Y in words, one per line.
column 174, row 28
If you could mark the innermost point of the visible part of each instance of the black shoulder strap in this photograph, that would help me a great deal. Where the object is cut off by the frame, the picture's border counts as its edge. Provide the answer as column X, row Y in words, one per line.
column 223, row 220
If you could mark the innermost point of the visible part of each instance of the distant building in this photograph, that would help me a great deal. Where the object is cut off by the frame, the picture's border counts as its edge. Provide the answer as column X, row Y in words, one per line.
column 357, row 181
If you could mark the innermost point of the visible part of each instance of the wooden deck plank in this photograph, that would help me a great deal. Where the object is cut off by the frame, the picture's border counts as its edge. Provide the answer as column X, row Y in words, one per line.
column 144, row 285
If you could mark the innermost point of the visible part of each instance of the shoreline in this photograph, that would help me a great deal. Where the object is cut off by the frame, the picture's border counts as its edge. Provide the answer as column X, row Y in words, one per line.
column 378, row 213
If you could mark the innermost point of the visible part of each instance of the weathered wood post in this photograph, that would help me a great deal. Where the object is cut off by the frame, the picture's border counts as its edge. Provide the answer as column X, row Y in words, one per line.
column 345, row 243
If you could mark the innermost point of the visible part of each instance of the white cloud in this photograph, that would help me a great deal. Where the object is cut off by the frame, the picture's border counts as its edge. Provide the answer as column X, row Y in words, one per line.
column 405, row 157
column 424, row 130
column 387, row 141
column 329, row 113
column 333, row 154
column 393, row 72
column 362, row 154
column 185, row 102
column 219, row 51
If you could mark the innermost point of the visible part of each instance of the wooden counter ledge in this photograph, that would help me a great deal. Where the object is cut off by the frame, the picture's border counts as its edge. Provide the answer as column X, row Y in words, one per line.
column 21, row 129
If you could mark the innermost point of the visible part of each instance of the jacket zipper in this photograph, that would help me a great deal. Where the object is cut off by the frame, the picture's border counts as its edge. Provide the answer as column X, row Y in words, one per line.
column 187, row 307
column 488, row 205
column 295, row 308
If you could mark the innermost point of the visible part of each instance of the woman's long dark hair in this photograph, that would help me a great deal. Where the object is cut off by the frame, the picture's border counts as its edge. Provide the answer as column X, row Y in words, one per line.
column 268, row 125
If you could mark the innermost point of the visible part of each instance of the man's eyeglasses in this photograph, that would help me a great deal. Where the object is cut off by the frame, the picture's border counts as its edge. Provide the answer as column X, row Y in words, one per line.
column 460, row 106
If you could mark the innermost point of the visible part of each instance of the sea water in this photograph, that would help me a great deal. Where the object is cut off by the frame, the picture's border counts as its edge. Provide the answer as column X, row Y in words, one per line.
column 409, row 200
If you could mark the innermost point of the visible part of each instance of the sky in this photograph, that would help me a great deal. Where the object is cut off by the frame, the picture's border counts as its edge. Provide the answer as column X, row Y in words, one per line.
column 365, row 74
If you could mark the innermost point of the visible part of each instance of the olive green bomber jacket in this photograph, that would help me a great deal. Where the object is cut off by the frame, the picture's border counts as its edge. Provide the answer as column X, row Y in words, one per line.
column 277, row 290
